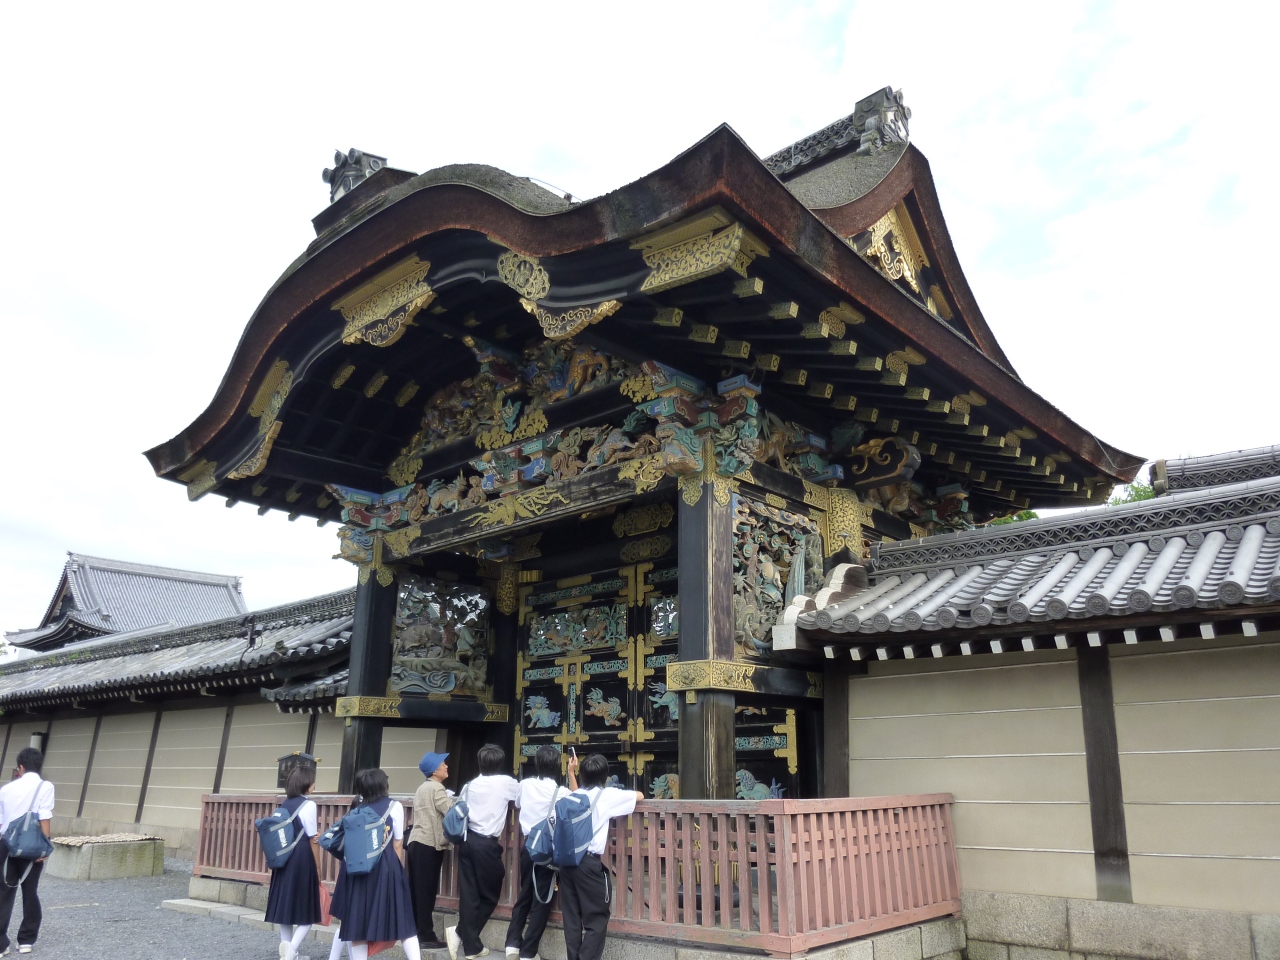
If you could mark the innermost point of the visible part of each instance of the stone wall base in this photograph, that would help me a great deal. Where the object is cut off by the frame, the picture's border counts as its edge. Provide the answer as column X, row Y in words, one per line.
column 1012, row 926
column 935, row 940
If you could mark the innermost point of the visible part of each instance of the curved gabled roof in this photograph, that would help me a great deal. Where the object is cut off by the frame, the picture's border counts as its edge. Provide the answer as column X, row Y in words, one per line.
column 462, row 218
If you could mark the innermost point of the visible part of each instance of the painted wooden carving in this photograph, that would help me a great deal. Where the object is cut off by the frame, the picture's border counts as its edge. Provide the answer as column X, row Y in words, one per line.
column 440, row 643
column 575, row 631
column 776, row 552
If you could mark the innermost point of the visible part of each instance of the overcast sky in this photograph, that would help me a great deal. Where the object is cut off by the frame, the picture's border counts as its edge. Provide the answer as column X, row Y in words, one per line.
column 1107, row 174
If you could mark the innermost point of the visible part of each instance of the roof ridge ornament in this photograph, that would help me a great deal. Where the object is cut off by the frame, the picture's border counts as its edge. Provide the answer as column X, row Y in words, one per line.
column 349, row 170
column 876, row 121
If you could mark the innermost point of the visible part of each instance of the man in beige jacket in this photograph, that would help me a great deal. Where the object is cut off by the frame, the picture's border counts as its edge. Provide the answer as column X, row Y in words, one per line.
column 424, row 853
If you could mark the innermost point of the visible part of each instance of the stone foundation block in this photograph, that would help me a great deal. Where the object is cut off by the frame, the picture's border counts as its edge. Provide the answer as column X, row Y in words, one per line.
column 982, row 950
column 897, row 945
column 1010, row 918
column 853, row 950
column 229, row 912
column 203, row 888
column 1266, row 936
column 1158, row 933
column 950, row 955
column 107, row 861
column 940, row 937
column 255, row 896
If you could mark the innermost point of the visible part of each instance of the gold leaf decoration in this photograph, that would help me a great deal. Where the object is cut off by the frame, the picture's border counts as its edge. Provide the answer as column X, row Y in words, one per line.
column 557, row 326
column 650, row 548
column 521, row 506
column 645, row 472
column 531, row 424
column 380, row 311
column 400, row 541
column 638, row 389
column 523, row 275
column 644, row 519
column 404, row 470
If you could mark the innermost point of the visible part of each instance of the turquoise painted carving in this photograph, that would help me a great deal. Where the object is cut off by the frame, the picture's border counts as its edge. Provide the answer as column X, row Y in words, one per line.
column 440, row 641
column 749, row 788
column 610, row 711
column 540, row 714
column 576, row 631
column 662, row 697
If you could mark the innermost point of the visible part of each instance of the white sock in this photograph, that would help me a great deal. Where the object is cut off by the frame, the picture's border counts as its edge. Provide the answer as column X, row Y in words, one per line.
column 300, row 934
column 286, row 933
column 359, row 951
column 335, row 951
column 411, row 949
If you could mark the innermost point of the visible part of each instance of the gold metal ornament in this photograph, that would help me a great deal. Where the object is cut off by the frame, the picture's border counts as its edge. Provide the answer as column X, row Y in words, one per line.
column 367, row 707
column 557, row 326
column 711, row 675
column 380, row 311
column 699, row 247
column 791, row 752
column 521, row 506
column 646, row 519
column 523, row 275
column 649, row 549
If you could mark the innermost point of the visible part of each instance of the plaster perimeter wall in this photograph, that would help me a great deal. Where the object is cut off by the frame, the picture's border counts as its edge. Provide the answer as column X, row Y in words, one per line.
column 1199, row 738
column 1006, row 738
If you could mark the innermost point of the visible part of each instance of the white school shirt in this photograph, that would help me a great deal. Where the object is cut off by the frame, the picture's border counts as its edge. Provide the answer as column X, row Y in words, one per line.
column 612, row 803
column 16, row 797
column 396, row 809
column 306, row 815
column 487, row 798
column 537, row 796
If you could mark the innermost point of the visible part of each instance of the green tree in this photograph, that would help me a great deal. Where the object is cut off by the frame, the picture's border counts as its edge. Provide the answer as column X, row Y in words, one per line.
column 1017, row 517
column 1132, row 494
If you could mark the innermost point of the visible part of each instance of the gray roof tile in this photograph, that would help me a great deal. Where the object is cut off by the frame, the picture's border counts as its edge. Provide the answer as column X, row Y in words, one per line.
column 1235, row 466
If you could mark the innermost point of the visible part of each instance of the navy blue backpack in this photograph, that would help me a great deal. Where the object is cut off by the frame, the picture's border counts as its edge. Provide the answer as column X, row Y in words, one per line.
column 364, row 837
column 573, row 828
column 278, row 836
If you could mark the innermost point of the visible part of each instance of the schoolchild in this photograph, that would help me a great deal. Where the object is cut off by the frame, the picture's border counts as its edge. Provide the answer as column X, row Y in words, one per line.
column 480, row 869
column 376, row 906
column 27, row 791
column 424, row 853
column 537, row 796
column 585, row 890
column 293, row 902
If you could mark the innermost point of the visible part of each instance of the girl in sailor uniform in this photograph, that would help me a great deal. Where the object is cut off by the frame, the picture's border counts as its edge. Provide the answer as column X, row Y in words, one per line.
column 375, row 907
column 294, row 899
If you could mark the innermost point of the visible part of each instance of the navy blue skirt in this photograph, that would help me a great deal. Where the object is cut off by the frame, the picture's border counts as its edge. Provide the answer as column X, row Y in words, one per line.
column 375, row 905
column 294, row 898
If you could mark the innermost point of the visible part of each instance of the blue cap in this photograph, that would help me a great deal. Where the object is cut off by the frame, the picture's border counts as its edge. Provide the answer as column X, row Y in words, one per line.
column 431, row 763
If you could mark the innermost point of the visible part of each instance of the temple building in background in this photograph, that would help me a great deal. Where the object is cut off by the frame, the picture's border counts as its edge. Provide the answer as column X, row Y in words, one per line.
column 699, row 475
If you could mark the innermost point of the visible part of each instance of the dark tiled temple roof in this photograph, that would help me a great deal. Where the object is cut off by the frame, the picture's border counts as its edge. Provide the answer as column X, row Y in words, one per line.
column 100, row 596
column 209, row 655
column 1209, row 549
column 300, row 694
column 1188, row 473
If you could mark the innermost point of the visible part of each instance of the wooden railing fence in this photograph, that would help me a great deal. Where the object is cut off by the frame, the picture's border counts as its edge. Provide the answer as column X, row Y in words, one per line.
column 782, row 876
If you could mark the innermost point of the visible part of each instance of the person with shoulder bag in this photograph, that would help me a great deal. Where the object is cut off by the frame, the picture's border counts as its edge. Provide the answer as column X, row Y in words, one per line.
column 533, row 905
column 293, row 901
column 586, row 889
column 26, row 807
column 480, row 867
column 372, row 897
column 424, row 853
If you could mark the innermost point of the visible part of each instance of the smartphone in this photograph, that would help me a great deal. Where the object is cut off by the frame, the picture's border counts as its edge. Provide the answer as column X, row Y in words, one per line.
column 573, row 753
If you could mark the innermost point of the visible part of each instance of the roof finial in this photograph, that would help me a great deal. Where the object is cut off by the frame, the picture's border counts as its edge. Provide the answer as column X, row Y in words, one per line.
column 350, row 169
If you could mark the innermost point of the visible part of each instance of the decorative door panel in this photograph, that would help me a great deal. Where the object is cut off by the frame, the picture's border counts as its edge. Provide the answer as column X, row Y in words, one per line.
column 592, row 669
column 765, row 751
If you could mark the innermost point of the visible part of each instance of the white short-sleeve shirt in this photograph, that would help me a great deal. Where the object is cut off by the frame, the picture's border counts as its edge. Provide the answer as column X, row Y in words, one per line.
column 397, row 819
column 612, row 803
column 487, row 798
column 537, row 795
column 307, row 817
column 16, row 798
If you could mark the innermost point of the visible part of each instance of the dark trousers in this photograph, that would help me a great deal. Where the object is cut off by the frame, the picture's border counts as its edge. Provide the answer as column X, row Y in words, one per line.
column 423, row 863
column 31, row 915
column 480, row 876
column 584, row 902
column 530, row 908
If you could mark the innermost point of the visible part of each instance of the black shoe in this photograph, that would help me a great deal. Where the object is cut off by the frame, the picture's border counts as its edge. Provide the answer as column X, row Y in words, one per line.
column 432, row 945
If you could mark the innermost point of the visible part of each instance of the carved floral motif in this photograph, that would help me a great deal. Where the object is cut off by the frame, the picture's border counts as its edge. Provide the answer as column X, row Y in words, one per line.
column 575, row 631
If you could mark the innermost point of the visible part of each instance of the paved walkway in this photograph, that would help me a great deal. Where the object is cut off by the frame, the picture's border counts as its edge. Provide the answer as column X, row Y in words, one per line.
column 122, row 920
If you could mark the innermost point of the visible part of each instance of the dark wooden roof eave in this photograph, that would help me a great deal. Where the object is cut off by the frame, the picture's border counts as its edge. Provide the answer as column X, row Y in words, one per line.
column 719, row 169
column 912, row 178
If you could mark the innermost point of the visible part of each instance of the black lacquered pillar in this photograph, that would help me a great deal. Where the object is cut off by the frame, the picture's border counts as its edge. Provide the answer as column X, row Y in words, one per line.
column 706, row 634
column 370, row 668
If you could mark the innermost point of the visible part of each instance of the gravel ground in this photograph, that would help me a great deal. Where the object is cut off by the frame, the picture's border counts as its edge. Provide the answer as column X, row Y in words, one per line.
column 122, row 920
